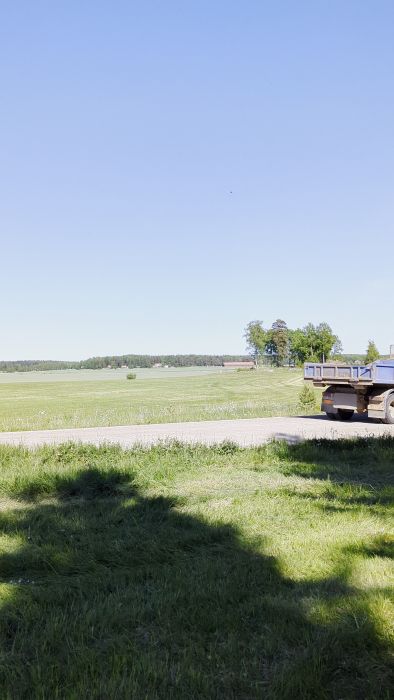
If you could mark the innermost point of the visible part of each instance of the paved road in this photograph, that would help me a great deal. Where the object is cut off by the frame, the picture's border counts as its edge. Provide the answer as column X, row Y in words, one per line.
column 246, row 432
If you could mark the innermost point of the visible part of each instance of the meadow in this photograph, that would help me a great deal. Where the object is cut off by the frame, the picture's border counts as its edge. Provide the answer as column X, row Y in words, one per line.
column 180, row 572
column 77, row 398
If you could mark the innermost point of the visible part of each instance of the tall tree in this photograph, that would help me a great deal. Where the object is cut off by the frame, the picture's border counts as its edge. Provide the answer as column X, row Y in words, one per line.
column 337, row 349
column 372, row 353
column 313, row 343
column 301, row 348
column 278, row 341
column 326, row 340
column 256, row 339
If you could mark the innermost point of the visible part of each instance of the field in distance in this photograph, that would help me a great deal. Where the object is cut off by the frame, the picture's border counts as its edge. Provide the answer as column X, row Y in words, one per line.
column 194, row 572
column 89, row 398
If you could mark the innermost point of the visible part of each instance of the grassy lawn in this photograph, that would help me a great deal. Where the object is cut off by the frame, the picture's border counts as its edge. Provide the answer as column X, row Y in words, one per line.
column 197, row 572
column 102, row 398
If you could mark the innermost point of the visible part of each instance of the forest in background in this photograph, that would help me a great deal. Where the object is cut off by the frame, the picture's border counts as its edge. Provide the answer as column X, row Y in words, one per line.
column 116, row 361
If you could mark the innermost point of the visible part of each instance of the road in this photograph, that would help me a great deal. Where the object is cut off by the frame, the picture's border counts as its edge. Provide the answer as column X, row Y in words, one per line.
column 245, row 432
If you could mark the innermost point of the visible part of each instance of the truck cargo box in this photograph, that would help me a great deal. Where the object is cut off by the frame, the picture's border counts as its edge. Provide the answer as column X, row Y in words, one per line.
column 380, row 372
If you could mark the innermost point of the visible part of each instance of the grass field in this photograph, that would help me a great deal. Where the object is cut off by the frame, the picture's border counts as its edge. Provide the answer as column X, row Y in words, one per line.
column 197, row 572
column 103, row 397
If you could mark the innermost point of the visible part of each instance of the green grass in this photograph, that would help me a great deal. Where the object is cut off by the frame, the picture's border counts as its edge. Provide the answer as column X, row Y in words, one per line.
column 180, row 572
column 168, row 397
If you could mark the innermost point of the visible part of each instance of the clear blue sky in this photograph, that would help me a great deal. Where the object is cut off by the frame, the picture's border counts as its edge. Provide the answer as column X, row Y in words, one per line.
column 171, row 170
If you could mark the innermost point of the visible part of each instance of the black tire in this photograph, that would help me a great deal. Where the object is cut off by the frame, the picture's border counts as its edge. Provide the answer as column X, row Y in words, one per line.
column 389, row 416
column 344, row 414
column 331, row 416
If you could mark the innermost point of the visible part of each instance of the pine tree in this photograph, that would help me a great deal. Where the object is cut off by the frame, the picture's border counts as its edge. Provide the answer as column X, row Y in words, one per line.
column 372, row 353
column 278, row 341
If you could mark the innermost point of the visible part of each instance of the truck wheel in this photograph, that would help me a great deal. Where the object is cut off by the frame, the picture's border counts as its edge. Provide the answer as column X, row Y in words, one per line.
column 344, row 414
column 389, row 417
column 331, row 416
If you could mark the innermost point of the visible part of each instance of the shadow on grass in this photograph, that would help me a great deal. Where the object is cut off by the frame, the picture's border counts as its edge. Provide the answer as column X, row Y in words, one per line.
column 354, row 461
column 354, row 474
column 118, row 595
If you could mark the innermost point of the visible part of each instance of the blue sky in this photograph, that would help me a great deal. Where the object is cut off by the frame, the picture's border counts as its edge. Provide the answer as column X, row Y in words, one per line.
column 170, row 171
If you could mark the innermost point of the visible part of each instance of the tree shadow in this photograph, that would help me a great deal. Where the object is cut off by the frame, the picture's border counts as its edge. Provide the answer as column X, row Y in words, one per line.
column 353, row 473
column 356, row 460
column 113, row 593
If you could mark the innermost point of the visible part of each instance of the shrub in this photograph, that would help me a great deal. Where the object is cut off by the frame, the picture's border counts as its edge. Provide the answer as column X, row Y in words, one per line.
column 131, row 375
column 307, row 397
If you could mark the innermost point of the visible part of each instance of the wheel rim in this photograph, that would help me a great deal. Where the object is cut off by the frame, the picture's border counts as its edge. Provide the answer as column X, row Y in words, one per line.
column 391, row 410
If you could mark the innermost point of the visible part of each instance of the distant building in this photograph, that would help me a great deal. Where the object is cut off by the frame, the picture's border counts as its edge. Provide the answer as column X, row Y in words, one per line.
column 157, row 364
column 246, row 364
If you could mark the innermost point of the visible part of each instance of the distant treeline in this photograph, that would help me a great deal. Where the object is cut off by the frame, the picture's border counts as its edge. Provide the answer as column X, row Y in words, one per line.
column 351, row 359
column 30, row 365
column 361, row 359
column 115, row 361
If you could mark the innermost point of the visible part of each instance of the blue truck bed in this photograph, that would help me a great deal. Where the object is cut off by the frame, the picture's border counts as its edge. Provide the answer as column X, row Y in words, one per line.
column 365, row 389
column 380, row 372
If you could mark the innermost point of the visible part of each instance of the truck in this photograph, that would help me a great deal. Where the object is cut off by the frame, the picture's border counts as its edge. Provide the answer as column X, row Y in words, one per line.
column 363, row 389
